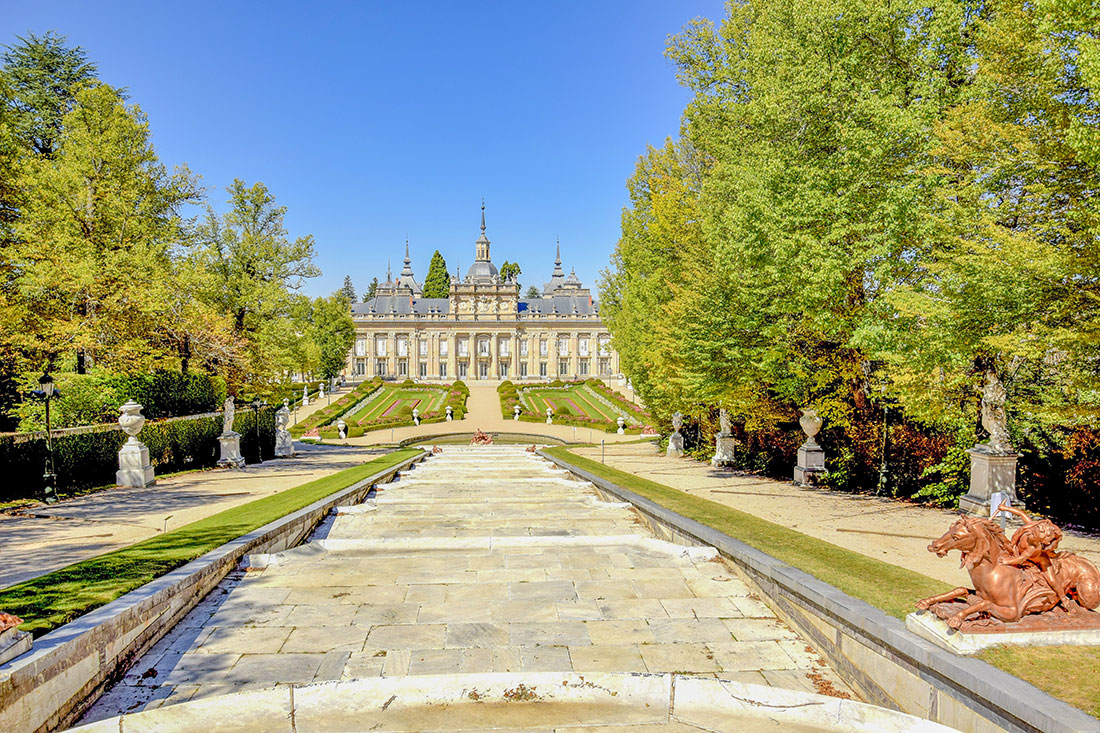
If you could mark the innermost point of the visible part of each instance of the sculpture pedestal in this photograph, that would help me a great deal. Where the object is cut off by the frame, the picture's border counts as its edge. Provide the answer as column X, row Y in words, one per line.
column 134, row 469
column 928, row 626
column 989, row 472
column 13, row 643
column 811, row 464
column 284, row 445
column 723, row 451
column 675, row 445
column 230, row 453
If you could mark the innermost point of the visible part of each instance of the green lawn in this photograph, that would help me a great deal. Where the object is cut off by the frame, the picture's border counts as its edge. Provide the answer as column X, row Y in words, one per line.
column 52, row 600
column 424, row 399
column 1069, row 673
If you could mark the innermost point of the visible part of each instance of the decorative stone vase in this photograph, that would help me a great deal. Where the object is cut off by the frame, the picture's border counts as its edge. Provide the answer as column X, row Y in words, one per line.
column 305, row 396
column 515, row 413
column 320, row 390
column 416, row 416
column 134, row 468
column 549, row 416
column 131, row 420
column 811, row 425
column 343, row 428
column 621, row 421
column 450, row 412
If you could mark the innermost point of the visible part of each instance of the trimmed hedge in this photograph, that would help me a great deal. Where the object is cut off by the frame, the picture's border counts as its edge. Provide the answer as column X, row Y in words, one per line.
column 90, row 399
column 88, row 460
column 457, row 393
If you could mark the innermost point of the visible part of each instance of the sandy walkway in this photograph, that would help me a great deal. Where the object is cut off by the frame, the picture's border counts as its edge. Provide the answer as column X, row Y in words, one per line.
column 881, row 528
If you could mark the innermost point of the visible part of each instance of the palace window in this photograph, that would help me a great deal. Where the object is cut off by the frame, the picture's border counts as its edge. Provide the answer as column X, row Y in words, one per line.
column 523, row 347
column 542, row 369
column 503, row 347
column 605, row 345
column 483, row 347
column 503, row 369
column 361, row 347
column 423, row 347
column 582, row 365
column 443, row 369
column 379, row 367
column 563, row 347
column 402, row 347
column 605, row 367
column 402, row 367
column 583, row 346
column 483, row 370
column 443, row 347
column 380, row 347
column 463, row 369
column 542, row 347
column 423, row 369
column 360, row 367
column 563, row 367
column 523, row 369
column 464, row 347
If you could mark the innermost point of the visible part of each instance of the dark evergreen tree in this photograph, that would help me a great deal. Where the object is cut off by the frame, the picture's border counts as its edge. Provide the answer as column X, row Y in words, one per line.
column 372, row 290
column 438, row 283
column 533, row 292
column 348, row 290
column 43, row 73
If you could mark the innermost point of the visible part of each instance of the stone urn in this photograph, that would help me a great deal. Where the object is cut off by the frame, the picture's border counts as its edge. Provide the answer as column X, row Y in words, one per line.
column 286, row 403
column 515, row 412
column 450, row 416
column 320, row 390
column 416, row 416
column 343, row 428
column 811, row 425
column 305, row 396
column 131, row 420
column 549, row 416
column 622, row 422
column 134, row 467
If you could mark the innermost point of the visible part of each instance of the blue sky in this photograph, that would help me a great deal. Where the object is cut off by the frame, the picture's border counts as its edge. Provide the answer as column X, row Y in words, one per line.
column 370, row 121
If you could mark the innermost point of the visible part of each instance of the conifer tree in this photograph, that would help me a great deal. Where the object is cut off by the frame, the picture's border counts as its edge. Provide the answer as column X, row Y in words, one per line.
column 438, row 283
column 348, row 289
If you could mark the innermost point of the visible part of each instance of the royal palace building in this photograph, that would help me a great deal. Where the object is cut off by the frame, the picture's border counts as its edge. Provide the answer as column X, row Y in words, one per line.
column 483, row 329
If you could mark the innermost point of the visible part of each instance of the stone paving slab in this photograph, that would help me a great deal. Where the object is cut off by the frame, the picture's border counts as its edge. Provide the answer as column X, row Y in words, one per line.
column 607, row 598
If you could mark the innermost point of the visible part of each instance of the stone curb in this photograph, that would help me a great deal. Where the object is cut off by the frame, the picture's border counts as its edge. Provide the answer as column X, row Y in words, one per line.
column 68, row 668
column 517, row 700
column 989, row 694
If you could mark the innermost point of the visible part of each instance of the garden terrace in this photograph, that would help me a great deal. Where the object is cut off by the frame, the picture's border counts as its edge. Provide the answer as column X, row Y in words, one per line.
column 587, row 404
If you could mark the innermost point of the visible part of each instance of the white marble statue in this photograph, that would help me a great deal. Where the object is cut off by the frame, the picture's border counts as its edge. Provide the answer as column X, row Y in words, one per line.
column 994, row 419
column 229, row 410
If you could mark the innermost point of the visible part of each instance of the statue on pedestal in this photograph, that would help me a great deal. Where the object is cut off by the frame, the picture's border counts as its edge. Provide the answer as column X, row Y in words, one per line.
column 811, row 456
column 676, row 440
column 229, row 442
column 284, row 445
column 723, row 441
column 992, row 464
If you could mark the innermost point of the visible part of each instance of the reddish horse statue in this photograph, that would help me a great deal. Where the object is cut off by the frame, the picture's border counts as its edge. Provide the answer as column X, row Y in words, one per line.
column 1013, row 579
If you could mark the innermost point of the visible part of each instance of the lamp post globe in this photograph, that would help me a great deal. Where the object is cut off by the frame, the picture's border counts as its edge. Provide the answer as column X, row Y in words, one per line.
column 49, row 478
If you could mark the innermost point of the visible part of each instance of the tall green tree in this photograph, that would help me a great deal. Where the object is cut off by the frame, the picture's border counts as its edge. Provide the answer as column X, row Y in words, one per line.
column 348, row 289
column 533, row 292
column 333, row 332
column 44, row 74
column 372, row 289
column 93, row 240
column 510, row 270
column 438, row 283
column 254, row 267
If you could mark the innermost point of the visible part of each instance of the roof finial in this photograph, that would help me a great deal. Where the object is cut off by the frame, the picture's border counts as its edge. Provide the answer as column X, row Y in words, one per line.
column 482, row 214
column 557, row 256
column 407, row 249
column 389, row 277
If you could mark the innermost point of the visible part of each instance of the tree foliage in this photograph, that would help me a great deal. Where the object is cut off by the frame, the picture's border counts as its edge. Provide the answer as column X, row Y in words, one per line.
column 438, row 283
column 510, row 271
column 348, row 289
column 871, row 205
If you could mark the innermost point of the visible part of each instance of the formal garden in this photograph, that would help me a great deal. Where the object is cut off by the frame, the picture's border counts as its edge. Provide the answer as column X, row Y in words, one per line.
column 589, row 403
column 376, row 405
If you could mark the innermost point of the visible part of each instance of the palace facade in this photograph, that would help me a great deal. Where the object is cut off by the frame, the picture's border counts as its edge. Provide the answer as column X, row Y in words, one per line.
column 482, row 330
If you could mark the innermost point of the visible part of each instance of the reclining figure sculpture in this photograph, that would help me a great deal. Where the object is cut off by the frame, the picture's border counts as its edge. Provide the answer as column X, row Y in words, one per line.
column 1017, row 577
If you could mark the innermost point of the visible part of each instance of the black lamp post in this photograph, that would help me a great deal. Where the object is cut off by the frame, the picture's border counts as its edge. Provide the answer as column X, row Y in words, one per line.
column 256, row 405
column 46, row 392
